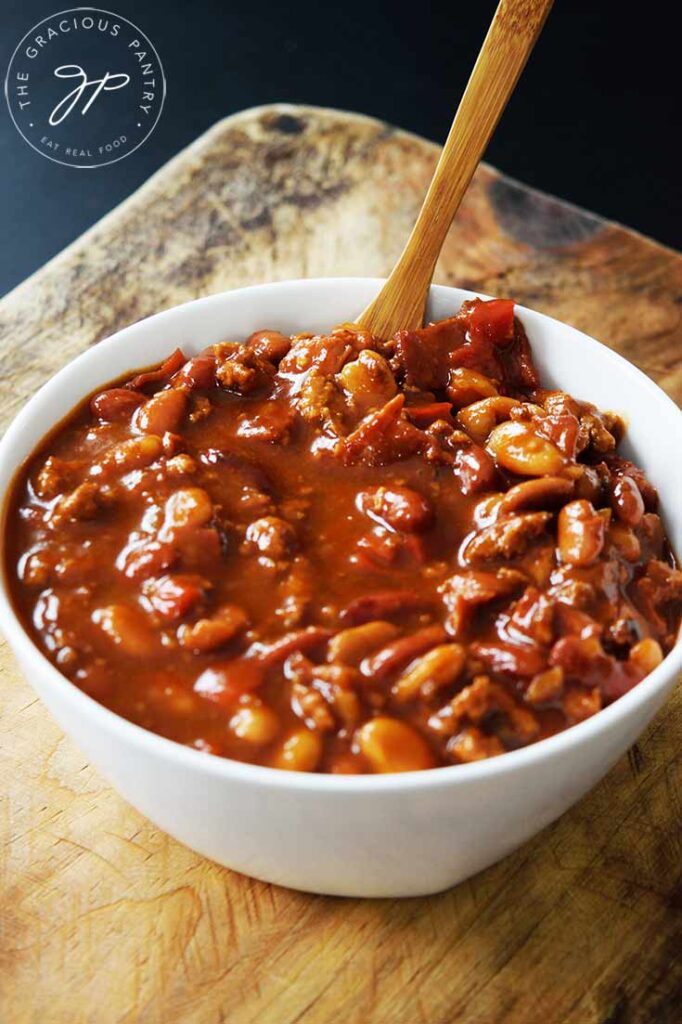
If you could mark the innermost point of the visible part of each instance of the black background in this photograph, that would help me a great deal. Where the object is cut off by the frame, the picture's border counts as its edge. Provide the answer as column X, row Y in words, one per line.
column 595, row 118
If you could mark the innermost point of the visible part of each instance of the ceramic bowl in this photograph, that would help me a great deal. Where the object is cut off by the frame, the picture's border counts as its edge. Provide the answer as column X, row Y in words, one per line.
column 390, row 835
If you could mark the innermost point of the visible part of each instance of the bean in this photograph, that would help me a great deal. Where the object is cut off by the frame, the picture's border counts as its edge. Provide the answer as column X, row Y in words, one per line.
column 126, row 456
column 139, row 561
column 466, row 386
column 438, row 667
column 197, row 373
column 546, row 686
column 115, row 404
column 580, row 533
column 224, row 682
column 518, row 448
column 300, row 752
column 390, row 745
column 188, row 506
column 255, row 723
column 399, row 653
column 207, row 634
column 165, row 411
column 646, row 655
column 627, row 501
column 350, row 646
column 172, row 597
column 383, row 603
column 475, row 469
column 542, row 493
column 368, row 381
column 270, row 345
column 511, row 659
column 128, row 630
column 345, row 764
column 399, row 508
column 300, row 640
column 479, row 418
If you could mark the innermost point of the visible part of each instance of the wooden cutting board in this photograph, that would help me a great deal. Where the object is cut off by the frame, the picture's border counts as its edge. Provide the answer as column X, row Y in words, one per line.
column 105, row 920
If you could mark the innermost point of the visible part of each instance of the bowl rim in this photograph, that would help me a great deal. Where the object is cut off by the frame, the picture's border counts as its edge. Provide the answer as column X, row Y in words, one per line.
column 77, row 700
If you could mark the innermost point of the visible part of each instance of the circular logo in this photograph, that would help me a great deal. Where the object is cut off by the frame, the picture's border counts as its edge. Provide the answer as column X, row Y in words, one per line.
column 85, row 87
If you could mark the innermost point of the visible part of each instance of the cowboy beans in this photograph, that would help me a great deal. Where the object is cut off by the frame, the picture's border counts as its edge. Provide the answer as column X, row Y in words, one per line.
column 345, row 554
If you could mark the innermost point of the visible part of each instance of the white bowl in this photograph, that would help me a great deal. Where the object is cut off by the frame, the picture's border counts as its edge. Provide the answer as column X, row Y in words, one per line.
column 395, row 835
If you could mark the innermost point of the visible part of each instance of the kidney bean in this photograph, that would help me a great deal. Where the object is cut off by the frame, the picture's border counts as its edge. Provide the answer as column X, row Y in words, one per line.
column 580, row 535
column 582, row 659
column 116, row 404
column 511, row 659
column 437, row 668
column 541, row 493
column 626, row 501
column 399, row 508
column 304, row 640
column 350, row 646
column 173, row 597
column 400, row 652
column 475, row 469
column 390, row 745
column 518, row 448
column 140, row 560
column 226, row 681
column 197, row 373
column 382, row 604
column 165, row 411
column 270, row 345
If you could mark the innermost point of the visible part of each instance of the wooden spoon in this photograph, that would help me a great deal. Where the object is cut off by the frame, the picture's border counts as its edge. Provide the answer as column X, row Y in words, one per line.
column 401, row 303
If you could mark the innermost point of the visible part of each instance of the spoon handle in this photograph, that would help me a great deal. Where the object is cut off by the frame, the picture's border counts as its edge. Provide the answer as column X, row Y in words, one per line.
column 401, row 303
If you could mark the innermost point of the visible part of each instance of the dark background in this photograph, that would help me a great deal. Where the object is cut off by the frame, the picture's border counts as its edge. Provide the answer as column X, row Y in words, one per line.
column 595, row 118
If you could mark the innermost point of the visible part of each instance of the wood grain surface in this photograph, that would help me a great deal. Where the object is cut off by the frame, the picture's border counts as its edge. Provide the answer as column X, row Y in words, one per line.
column 105, row 920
